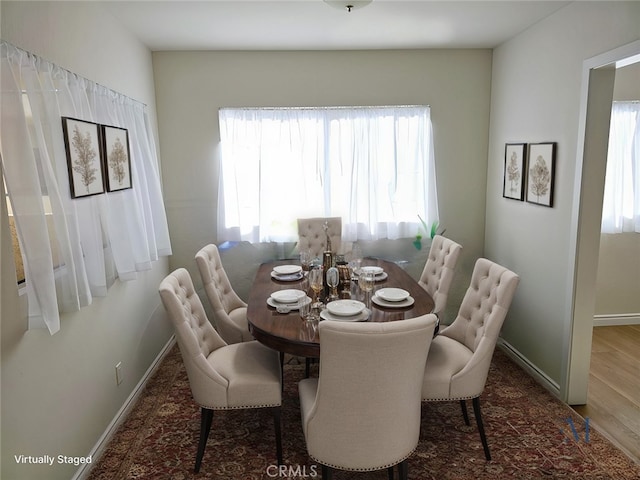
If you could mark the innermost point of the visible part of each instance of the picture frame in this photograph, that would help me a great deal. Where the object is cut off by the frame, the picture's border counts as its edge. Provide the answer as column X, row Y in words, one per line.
column 83, row 145
column 117, row 158
column 515, row 163
column 540, row 173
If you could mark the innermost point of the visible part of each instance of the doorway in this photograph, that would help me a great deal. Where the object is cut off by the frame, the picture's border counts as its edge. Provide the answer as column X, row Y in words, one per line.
column 596, row 98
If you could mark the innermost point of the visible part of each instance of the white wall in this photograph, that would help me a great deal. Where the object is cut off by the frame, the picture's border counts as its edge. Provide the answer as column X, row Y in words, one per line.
column 536, row 97
column 192, row 86
column 59, row 392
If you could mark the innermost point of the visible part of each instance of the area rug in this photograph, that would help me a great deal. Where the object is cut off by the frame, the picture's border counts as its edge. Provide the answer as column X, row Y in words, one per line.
column 531, row 434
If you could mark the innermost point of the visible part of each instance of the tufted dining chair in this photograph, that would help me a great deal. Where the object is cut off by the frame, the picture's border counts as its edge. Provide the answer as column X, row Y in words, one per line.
column 312, row 237
column 221, row 376
column 362, row 413
column 439, row 270
column 460, row 355
column 229, row 310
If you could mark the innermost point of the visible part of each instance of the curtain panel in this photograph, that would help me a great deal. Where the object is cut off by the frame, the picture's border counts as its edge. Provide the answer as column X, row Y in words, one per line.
column 621, row 204
column 97, row 238
column 372, row 166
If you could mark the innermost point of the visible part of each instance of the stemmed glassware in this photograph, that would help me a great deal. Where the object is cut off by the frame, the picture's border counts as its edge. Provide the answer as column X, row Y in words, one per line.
column 305, row 261
column 365, row 282
column 356, row 257
column 315, row 282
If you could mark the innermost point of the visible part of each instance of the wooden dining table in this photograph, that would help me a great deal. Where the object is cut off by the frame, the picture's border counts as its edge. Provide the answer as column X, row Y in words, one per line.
column 288, row 333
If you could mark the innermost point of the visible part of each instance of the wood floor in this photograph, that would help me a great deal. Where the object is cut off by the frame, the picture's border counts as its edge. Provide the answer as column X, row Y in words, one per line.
column 613, row 401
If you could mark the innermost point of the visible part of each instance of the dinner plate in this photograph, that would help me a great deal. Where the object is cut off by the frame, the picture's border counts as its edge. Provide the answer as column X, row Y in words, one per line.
column 373, row 270
column 407, row 302
column 291, row 306
column 362, row 316
column 288, row 296
column 287, row 269
column 345, row 308
column 392, row 294
column 291, row 277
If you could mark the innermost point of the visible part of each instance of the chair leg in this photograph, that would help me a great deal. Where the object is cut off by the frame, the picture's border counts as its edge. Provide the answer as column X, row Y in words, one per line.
column 281, row 372
column 277, row 423
column 206, row 416
column 390, row 473
column 327, row 473
column 403, row 470
column 465, row 415
column 483, row 437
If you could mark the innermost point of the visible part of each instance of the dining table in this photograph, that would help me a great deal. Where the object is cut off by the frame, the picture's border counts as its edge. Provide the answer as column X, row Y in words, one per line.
column 283, row 330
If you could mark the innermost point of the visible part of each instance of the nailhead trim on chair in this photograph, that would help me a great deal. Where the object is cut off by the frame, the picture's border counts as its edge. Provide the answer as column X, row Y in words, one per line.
column 374, row 469
column 243, row 407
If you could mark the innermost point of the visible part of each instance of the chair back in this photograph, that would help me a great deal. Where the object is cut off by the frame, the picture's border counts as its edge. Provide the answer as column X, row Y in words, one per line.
column 480, row 318
column 312, row 237
column 195, row 335
column 220, row 293
column 439, row 270
column 366, row 414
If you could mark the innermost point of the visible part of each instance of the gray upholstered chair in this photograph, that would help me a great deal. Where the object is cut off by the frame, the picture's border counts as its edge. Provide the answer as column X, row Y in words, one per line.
column 439, row 270
column 221, row 376
column 362, row 413
column 229, row 310
column 312, row 237
column 460, row 355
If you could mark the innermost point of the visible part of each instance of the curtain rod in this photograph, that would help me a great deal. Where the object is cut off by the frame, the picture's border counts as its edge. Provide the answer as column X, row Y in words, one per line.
column 41, row 59
column 340, row 107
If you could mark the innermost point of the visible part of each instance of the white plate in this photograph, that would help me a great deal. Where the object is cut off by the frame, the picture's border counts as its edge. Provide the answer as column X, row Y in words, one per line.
column 291, row 306
column 288, row 296
column 363, row 315
column 345, row 308
column 407, row 302
column 291, row 277
column 392, row 294
column 287, row 269
column 373, row 270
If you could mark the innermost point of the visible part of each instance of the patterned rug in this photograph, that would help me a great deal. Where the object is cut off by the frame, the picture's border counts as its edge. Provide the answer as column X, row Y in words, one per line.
column 531, row 434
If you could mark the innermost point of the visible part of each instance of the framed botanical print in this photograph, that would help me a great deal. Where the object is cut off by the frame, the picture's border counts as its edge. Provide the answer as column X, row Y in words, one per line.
column 514, row 170
column 83, row 148
column 117, row 158
column 540, row 173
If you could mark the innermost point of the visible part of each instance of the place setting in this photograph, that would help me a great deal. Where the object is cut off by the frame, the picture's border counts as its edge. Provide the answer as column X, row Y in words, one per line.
column 377, row 273
column 286, row 300
column 345, row 311
column 392, row 298
column 287, row 273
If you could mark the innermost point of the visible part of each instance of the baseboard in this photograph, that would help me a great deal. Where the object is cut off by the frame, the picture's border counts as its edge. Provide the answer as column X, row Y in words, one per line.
column 83, row 472
column 537, row 374
column 616, row 319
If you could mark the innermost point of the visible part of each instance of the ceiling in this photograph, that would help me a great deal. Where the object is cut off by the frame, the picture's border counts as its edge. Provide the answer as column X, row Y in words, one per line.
column 315, row 25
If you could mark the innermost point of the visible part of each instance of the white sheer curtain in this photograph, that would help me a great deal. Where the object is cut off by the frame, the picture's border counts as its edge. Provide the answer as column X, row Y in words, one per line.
column 372, row 166
column 621, row 205
column 97, row 238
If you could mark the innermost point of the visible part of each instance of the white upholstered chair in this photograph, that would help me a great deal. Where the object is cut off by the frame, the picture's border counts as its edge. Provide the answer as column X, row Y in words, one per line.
column 460, row 355
column 221, row 376
column 312, row 237
column 229, row 310
column 439, row 270
column 362, row 413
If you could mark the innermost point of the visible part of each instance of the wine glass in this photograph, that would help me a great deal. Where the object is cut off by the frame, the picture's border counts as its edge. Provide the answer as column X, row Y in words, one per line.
column 315, row 282
column 365, row 282
column 356, row 257
column 305, row 261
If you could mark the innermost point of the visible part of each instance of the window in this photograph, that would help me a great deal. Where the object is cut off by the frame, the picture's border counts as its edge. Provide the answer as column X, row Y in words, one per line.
column 372, row 166
column 621, row 204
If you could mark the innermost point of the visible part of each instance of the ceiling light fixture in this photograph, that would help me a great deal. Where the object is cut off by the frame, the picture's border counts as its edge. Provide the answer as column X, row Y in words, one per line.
column 348, row 5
